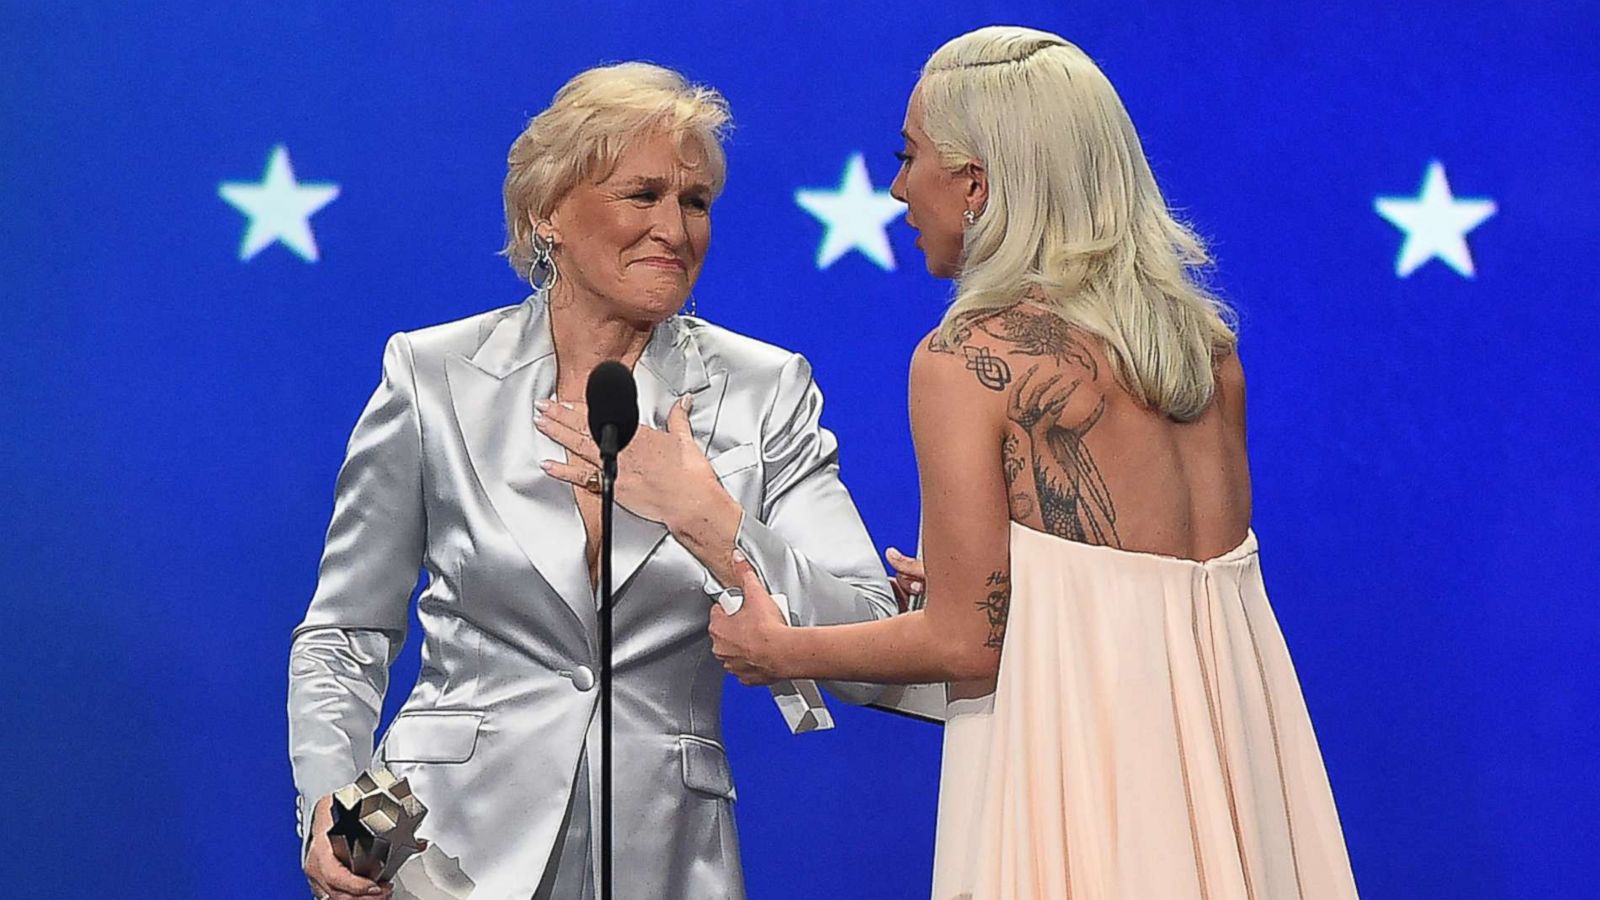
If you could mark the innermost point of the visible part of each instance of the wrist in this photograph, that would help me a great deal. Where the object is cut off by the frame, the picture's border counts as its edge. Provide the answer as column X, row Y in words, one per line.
column 712, row 518
column 789, row 652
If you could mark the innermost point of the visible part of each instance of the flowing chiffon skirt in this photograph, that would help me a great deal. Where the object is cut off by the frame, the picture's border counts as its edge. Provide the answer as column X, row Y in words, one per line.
column 1146, row 738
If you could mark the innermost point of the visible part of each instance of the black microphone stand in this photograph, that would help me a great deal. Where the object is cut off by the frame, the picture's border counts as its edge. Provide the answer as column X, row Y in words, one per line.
column 613, row 419
column 608, row 499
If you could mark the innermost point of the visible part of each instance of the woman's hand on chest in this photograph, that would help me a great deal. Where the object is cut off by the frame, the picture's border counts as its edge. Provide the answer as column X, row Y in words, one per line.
column 661, row 475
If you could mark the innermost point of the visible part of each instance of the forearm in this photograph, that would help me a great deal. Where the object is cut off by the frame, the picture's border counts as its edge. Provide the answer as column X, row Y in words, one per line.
column 850, row 587
column 337, row 680
column 713, row 529
column 710, row 531
column 905, row 649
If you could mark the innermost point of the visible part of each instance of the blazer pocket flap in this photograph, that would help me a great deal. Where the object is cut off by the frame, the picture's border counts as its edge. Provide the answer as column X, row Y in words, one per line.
column 705, row 767
column 735, row 459
column 432, row 737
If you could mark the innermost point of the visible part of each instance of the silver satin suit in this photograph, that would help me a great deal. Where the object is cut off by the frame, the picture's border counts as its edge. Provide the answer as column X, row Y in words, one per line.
column 499, row 736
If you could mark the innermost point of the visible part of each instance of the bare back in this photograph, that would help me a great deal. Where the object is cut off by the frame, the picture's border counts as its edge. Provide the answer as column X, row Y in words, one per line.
column 1084, row 460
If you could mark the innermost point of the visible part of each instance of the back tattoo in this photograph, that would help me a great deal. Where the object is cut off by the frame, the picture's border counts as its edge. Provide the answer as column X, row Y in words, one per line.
column 1045, row 443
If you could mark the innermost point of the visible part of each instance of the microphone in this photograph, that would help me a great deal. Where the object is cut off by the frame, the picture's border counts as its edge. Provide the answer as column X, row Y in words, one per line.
column 613, row 408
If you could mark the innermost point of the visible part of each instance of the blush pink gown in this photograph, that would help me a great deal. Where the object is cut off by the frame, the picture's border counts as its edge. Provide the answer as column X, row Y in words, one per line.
column 1146, row 739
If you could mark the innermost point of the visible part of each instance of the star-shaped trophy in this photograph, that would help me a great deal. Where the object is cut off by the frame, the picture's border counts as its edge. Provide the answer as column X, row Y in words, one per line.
column 375, row 821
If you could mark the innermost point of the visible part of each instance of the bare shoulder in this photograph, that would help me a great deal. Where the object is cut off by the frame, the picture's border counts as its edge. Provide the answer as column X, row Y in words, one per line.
column 1230, row 375
column 969, row 360
column 958, row 390
column 1230, row 391
column 996, row 350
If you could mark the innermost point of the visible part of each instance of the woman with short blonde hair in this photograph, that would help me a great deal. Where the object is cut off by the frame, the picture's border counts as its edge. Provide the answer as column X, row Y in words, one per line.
column 473, row 461
column 1123, row 718
column 583, row 132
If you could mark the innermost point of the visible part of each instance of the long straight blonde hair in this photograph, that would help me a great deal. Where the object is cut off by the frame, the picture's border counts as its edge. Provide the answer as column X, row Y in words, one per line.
column 1074, row 218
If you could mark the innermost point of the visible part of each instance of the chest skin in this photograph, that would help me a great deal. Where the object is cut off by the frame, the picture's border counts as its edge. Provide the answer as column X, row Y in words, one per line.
column 589, row 510
column 588, row 503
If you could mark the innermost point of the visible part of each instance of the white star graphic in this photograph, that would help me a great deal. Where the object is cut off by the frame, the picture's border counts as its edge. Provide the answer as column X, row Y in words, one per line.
column 279, row 208
column 1435, row 223
column 855, row 215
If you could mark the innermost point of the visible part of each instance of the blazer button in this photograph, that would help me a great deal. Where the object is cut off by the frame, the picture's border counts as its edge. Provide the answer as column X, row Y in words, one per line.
column 582, row 678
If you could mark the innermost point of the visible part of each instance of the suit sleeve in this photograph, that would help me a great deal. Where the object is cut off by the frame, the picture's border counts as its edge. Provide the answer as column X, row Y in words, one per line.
column 809, row 542
column 339, row 655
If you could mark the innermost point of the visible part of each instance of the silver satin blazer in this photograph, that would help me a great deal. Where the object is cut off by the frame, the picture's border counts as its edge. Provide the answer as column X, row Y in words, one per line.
column 442, row 474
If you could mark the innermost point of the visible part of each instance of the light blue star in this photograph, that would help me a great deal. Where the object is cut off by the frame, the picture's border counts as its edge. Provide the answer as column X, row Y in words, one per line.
column 1435, row 223
column 279, row 208
column 856, row 216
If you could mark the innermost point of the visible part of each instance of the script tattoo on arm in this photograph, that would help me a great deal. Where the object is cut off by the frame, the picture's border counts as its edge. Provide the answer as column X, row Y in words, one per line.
column 1011, row 458
column 996, row 605
column 1013, row 464
column 1074, row 502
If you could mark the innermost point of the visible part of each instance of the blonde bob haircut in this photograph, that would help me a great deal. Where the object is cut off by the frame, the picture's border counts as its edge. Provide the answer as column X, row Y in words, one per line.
column 1074, row 218
column 586, row 129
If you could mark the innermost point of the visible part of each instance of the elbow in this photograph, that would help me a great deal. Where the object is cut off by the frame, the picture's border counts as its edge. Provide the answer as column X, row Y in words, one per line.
column 960, row 654
column 972, row 662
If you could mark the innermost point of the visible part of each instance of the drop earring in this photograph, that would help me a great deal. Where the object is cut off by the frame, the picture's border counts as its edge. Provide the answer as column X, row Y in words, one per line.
column 542, row 272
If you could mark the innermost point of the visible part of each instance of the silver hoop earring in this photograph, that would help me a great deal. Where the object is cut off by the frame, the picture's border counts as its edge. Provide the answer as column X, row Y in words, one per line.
column 970, row 217
column 542, row 273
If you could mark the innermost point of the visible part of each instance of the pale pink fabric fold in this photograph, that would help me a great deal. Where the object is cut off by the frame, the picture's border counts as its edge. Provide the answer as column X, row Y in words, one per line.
column 1147, row 738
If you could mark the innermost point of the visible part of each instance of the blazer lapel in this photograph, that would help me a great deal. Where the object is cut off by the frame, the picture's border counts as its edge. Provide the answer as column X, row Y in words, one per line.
column 493, row 395
column 669, row 367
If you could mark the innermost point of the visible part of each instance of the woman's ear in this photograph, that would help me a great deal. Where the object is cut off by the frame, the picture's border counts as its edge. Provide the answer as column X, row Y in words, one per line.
column 545, row 228
column 977, row 187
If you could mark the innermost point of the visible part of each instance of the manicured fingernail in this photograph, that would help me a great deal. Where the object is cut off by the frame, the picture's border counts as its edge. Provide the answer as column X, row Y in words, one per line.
column 688, row 402
column 541, row 405
column 738, row 556
column 566, row 405
column 545, row 465
column 893, row 552
column 916, row 587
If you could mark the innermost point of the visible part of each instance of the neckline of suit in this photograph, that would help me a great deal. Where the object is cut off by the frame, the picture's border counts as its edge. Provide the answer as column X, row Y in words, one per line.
column 492, row 393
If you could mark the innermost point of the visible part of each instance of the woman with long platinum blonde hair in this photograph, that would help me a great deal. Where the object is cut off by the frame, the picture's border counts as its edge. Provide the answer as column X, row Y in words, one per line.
column 1123, row 720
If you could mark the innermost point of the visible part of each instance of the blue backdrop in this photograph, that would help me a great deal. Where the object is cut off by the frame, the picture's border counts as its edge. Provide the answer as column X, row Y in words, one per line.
column 1421, row 368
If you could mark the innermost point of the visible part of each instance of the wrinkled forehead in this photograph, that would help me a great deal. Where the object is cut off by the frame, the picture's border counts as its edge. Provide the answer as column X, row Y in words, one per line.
column 677, row 157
